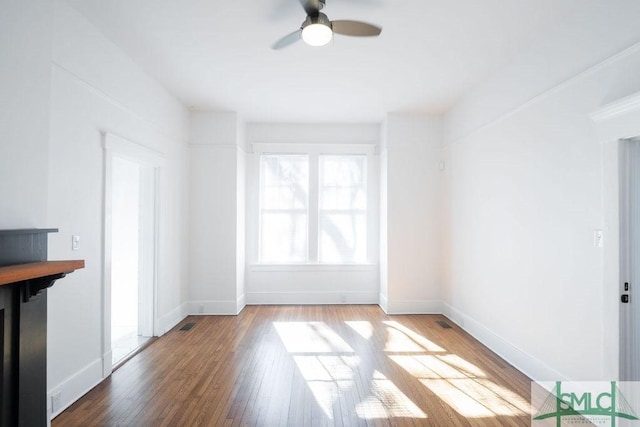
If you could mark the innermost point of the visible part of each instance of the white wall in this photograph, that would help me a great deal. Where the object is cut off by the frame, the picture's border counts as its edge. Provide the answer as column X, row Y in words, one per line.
column 216, row 226
column 96, row 88
column 317, row 284
column 25, row 85
column 524, row 192
column 411, row 214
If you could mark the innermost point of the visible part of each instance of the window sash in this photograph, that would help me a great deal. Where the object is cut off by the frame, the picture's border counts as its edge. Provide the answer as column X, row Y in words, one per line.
column 357, row 216
column 342, row 209
column 283, row 211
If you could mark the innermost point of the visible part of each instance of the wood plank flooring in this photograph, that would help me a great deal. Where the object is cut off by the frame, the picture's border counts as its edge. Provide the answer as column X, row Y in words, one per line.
column 346, row 365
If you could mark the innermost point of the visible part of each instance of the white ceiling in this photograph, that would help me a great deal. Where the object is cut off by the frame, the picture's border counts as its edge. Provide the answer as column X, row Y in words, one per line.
column 216, row 55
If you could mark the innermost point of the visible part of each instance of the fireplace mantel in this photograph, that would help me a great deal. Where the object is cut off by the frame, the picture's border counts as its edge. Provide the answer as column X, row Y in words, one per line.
column 25, row 275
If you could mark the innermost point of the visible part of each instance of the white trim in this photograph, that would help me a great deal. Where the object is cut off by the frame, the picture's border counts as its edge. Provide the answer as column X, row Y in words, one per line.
column 75, row 386
column 240, row 303
column 311, row 298
column 200, row 146
column 168, row 321
column 313, row 267
column 413, row 307
column 133, row 151
column 313, row 148
column 157, row 186
column 215, row 308
column 383, row 302
column 617, row 108
column 521, row 360
column 107, row 363
column 105, row 314
column 618, row 120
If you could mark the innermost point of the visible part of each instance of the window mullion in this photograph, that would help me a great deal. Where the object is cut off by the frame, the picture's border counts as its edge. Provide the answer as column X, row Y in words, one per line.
column 313, row 208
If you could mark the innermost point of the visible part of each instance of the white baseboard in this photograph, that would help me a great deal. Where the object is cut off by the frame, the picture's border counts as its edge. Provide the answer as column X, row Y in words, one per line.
column 107, row 363
column 74, row 387
column 240, row 304
column 264, row 298
column 412, row 307
column 383, row 303
column 521, row 360
column 229, row 307
column 171, row 319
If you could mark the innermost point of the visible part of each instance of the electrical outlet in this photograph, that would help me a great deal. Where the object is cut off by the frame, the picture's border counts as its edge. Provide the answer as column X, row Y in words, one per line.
column 598, row 237
column 75, row 243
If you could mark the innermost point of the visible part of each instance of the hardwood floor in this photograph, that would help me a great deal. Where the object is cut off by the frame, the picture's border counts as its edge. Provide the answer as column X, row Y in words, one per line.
column 308, row 366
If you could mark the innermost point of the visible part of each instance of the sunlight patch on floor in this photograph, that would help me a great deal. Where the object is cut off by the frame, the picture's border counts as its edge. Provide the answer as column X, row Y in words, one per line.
column 427, row 366
column 329, row 366
column 363, row 327
column 469, row 369
column 473, row 399
column 413, row 336
column 399, row 342
column 310, row 337
column 328, row 377
column 462, row 386
column 387, row 401
column 326, row 368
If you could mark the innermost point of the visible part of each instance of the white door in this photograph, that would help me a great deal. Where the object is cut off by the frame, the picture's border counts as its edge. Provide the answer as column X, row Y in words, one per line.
column 630, row 260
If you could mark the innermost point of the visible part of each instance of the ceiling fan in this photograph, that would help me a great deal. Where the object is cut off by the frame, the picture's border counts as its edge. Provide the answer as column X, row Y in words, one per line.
column 317, row 29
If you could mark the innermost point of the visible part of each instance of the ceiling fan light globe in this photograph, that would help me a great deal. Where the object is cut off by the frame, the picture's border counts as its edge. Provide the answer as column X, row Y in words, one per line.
column 317, row 34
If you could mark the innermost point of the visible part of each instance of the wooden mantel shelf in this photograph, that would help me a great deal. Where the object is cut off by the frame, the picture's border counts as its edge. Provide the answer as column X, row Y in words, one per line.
column 25, row 276
column 36, row 270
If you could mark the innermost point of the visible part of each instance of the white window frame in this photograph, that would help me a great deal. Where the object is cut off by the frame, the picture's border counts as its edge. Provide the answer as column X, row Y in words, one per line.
column 313, row 151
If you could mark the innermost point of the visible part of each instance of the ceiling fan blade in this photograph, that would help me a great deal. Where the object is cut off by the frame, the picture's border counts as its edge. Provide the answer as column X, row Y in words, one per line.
column 287, row 40
column 355, row 28
column 312, row 7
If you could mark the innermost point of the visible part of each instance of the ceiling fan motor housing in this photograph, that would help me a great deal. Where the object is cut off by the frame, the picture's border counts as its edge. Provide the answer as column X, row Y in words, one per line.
column 321, row 19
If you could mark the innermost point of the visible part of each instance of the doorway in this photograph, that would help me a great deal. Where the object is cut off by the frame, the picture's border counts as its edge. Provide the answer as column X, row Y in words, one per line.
column 630, row 260
column 130, row 251
column 130, row 298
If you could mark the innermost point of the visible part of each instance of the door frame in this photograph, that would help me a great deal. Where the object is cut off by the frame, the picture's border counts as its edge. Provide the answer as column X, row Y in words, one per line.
column 615, row 123
column 116, row 146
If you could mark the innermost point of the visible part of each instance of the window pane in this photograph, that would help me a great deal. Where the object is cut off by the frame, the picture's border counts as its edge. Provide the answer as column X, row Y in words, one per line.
column 284, row 181
column 284, row 193
column 283, row 238
column 343, row 238
column 343, row 209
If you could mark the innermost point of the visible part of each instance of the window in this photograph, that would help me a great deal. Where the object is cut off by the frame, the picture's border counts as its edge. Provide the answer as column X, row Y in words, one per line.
column 284, row 194
column 342, row 209
column 314, row 204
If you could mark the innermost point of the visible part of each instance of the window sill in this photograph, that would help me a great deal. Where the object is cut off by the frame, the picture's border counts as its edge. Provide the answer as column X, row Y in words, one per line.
column 313, row 267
